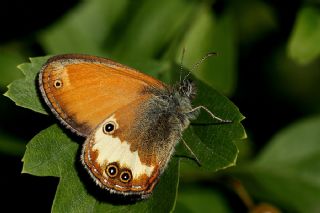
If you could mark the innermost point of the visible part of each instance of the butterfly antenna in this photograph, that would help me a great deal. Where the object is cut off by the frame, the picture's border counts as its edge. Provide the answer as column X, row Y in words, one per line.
column 196, row 65
column 191, row 152
column 181, row 63
column 211, row 114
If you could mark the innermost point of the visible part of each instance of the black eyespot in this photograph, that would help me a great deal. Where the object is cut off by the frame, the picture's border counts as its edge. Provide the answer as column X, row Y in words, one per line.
column 57, row 84
column 109, row 127
column 125, row 176
column 112, row 170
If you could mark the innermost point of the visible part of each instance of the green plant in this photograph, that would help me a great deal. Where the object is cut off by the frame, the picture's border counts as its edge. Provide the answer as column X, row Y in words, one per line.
column 267, row 64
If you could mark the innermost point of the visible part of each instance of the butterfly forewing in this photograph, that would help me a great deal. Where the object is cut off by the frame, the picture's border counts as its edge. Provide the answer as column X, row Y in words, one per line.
column 83, row 90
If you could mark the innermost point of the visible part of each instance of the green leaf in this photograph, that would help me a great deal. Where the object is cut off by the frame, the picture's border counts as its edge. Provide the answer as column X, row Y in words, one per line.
column 53, row 153
column 197, row 199
column 24, row 92
column 213, row 144
column 84, row 29
column 304, row 43
column 287, row 172
column 208, row 34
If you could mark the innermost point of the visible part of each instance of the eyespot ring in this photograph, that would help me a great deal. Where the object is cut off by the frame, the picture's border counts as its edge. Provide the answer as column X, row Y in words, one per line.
column 125, row 176
column 112, row 170
column 57, row 84
column 109, row 127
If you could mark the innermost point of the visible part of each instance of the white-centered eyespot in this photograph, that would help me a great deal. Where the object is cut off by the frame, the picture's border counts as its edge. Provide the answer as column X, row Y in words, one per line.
column 109, row 127
column 125, row 176
column 57, row 84
column 112, row 170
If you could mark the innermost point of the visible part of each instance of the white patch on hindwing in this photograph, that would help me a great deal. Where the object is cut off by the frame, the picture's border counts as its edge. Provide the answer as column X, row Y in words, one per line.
column 112, row 149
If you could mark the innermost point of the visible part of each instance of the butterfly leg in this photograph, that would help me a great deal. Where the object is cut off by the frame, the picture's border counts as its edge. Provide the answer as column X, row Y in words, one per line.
column 191, row 152
column 211, row 114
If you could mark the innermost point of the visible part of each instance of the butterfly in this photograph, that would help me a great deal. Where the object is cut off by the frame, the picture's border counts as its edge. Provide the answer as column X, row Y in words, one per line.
column 131, row 121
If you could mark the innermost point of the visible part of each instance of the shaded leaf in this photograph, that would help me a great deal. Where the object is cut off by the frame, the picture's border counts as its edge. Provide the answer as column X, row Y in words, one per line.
column 287, row 172
column 304, row 43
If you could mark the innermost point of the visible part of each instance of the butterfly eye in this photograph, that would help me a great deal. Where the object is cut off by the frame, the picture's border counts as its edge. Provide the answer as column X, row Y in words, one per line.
column 125, row 176
column 57, row 84
column 112, row 170
column 109, row 127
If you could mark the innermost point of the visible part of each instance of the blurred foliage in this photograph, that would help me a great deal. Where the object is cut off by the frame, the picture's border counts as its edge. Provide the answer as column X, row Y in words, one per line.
column 199, row 199
column 304, row 44
column 268, row 64
column 288, row 169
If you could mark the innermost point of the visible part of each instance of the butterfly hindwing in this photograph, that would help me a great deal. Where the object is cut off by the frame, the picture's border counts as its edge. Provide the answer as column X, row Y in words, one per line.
column 137, row 146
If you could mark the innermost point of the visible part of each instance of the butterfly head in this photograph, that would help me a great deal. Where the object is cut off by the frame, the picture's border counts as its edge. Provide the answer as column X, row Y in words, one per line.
column 181, row 102
column 187, row 88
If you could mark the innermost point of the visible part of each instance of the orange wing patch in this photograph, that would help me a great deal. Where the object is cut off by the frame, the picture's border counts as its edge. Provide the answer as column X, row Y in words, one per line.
column 83, row 90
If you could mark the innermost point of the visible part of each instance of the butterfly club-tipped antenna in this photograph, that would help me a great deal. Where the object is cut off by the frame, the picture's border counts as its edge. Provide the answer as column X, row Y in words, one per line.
column 197, row 64
column 181, row 63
